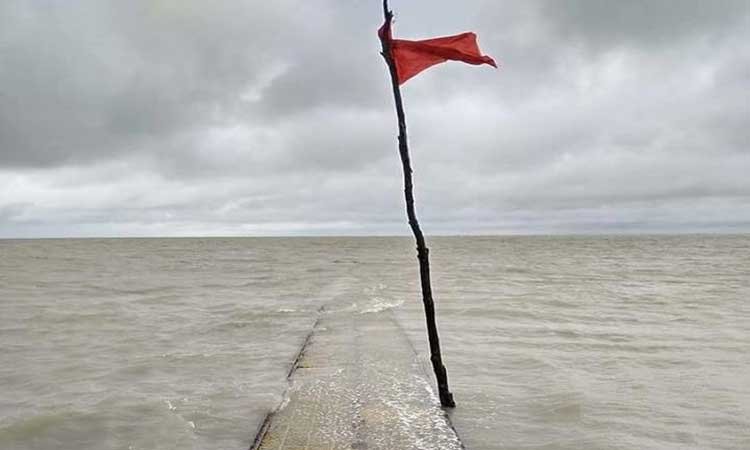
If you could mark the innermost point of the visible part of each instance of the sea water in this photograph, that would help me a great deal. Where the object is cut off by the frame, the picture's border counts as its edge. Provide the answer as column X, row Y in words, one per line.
column 607, row 342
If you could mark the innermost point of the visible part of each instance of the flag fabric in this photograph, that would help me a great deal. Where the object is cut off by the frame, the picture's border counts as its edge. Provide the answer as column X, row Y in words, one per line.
column 412, row 57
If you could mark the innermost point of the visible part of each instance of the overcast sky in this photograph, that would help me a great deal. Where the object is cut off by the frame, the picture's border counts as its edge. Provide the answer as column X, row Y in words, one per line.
column 231, row 117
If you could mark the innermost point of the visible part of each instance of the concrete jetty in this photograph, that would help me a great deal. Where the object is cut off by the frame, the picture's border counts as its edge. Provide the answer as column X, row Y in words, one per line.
column 358, row 384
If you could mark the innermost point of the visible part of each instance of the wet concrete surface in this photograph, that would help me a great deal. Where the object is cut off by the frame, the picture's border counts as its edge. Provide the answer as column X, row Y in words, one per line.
column 358, row 384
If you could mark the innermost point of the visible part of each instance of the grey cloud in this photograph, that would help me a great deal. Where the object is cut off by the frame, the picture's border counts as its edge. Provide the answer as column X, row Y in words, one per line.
column 643, row 22
column 275, row 118
column 92, row 79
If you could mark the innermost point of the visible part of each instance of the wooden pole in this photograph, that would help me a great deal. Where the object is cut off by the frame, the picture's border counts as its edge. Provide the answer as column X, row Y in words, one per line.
column 446, row 398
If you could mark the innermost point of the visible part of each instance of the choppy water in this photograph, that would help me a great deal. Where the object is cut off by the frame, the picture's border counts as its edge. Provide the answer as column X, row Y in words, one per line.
column 550, row 342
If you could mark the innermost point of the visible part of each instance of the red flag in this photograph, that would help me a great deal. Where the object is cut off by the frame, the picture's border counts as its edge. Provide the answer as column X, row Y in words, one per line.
column 412, row 57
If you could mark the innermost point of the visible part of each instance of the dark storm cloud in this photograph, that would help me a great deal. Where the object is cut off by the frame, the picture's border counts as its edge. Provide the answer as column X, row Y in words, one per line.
column 89, row 79
column 187, row 117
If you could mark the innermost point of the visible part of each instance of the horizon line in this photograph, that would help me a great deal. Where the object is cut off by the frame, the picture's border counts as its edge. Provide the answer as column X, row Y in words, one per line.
column 404, row 235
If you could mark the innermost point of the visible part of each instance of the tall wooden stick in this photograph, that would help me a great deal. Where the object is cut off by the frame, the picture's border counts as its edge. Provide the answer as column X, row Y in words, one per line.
column 446, row 398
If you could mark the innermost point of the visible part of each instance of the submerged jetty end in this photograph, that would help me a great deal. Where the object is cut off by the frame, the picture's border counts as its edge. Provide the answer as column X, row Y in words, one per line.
column 358, row 384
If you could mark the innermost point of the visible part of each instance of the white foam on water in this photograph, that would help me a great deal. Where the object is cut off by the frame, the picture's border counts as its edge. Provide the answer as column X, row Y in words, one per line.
column 382, row 305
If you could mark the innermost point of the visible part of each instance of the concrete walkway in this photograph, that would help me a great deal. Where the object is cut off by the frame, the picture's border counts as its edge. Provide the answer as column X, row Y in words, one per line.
column 357, row 384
